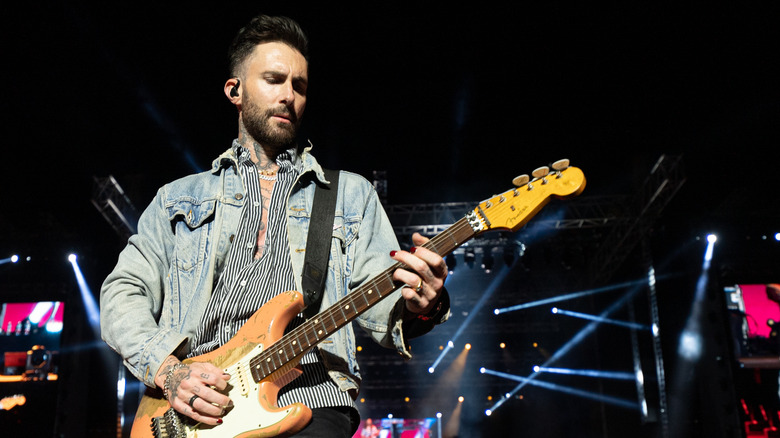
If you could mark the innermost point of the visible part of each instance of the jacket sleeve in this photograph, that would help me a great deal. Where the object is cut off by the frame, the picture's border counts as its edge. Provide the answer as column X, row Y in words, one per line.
column 131, row 297
column 384, row 321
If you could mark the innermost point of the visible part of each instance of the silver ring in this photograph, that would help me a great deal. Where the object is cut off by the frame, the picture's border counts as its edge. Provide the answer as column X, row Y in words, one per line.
column 192, row 400
column 419, row 286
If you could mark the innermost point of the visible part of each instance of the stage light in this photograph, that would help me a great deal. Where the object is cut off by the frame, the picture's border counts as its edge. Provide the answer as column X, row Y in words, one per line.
column 488, row 412
column 460, row 399
column 487, row 261
column 359, row 348
column 712, row 238
column 406, row 399
column 91, row 306
column 469, row 257
column 451, row 262
column 482, row 370
column 777, row 237
column 509, row 256
column 571, row 296
column 467, row 346
column 613, row 375
column 502, row 345
column 601, row 319
column 13, row 259
column 431, row 369
column 565, row 389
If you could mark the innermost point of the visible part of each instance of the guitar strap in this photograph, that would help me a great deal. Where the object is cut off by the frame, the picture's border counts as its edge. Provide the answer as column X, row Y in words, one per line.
column 315, row 265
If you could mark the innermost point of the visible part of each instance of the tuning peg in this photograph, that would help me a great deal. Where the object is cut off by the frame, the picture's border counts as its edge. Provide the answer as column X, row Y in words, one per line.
column 541, row 172
column 521, row 180
column 560, row 165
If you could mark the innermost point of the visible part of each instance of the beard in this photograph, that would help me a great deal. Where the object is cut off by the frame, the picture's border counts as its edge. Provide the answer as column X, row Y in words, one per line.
column 258, row 124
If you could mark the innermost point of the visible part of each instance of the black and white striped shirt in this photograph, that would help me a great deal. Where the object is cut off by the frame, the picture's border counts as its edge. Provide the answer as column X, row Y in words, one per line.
column 247, row 283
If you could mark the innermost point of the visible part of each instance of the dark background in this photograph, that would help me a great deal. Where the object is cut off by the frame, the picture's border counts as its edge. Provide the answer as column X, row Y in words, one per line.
column 453, row 102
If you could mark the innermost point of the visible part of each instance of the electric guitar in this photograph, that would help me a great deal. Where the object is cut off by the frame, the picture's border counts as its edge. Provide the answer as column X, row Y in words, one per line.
column 8, row 403
column 261, row 358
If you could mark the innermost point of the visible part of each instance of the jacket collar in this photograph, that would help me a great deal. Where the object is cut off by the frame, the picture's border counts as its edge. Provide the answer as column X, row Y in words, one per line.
column 304, row 159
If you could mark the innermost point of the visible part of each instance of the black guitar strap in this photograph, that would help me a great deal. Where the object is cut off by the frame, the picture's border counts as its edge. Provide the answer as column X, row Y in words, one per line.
column 315, row 266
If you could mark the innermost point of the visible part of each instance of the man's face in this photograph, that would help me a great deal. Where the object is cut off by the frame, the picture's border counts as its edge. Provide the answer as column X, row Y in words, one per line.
column 274, row 94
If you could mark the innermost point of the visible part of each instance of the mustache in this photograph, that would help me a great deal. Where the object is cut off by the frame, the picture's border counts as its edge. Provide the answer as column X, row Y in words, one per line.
column 284, row 111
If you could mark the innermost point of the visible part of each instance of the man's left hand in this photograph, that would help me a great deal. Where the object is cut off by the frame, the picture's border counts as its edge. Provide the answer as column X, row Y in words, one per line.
column 424, row 276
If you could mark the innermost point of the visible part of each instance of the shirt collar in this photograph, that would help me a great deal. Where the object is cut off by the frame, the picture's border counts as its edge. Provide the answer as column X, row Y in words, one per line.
column 287, row 160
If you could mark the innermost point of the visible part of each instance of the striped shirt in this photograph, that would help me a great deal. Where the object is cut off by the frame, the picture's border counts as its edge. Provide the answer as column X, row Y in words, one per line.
column 247, row 283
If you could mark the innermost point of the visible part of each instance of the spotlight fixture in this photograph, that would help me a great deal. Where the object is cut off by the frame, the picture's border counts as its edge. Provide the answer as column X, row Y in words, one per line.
column 469, row 257
column 509, row 256
column 487, row 261
column 451, row 262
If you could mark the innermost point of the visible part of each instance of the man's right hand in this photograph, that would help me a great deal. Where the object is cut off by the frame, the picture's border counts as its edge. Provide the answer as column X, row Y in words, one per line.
column 195, row 390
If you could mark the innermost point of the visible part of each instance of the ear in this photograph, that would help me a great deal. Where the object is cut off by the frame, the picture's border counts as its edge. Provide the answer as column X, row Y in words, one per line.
column 233, row 91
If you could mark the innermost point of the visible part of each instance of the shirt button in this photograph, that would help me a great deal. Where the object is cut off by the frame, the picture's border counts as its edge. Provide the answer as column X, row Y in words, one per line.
column 250, row 244
column 227, row 329
column 239, row 196
column 243, row 283
column 232, row 236
column 257, row 204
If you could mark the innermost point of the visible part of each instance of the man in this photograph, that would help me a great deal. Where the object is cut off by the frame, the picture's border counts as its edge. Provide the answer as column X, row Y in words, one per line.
column 214, row 247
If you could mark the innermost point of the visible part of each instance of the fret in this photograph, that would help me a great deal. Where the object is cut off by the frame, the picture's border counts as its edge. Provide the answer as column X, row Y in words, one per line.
column 352, row 306
column 343, row 314
column 283, row 351
column 333, row 318
column 306, row 333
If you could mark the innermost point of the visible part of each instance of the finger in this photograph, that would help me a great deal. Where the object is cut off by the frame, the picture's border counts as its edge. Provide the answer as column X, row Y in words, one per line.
column 190, row 411
column 204, row 406
column 414, row 263
column 211, row 375
column 436, row 266
column 415, row 302
column 204, row 384
column 196, row 379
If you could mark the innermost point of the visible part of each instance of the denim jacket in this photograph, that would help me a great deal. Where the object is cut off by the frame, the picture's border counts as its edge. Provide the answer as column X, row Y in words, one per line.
column 153, row 300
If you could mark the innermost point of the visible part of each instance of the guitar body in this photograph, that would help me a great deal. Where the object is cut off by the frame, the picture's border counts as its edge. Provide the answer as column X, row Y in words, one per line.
column 255, row 413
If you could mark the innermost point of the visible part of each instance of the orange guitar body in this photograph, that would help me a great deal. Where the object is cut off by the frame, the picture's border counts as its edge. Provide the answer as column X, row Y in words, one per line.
column 255, row 412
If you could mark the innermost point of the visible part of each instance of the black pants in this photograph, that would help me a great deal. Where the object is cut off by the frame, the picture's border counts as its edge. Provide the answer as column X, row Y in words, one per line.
column 339, row 422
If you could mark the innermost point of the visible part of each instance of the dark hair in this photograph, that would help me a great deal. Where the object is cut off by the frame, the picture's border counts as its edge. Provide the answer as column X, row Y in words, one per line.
column 265, row 29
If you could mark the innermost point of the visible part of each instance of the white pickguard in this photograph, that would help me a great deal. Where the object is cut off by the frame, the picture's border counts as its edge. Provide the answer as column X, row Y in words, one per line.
column 247, row 413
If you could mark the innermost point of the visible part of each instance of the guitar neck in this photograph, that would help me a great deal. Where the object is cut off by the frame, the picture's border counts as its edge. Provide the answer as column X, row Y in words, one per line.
column 316, row 329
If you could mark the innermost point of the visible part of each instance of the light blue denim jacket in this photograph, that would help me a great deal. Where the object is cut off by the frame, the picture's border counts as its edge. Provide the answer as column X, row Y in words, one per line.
column 153, row 300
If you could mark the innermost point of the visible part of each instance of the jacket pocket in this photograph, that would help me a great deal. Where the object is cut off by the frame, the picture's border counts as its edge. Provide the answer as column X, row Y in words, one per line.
column 190, row 222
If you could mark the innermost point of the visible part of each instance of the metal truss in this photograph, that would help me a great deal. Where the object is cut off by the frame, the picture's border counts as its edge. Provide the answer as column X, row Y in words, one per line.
column 665, row 179
column 112, row 202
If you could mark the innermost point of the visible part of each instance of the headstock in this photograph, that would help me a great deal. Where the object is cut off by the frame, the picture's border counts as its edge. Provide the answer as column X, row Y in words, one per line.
column 514, row 208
